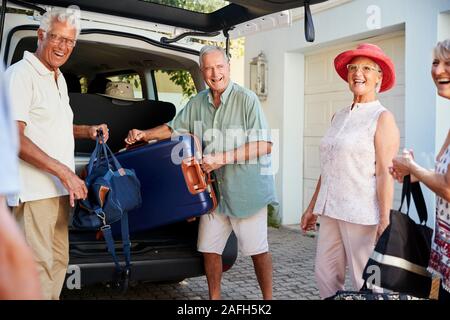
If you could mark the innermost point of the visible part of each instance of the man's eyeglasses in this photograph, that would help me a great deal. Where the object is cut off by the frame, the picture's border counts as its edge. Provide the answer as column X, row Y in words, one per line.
column 57, row 39
column 363, row 67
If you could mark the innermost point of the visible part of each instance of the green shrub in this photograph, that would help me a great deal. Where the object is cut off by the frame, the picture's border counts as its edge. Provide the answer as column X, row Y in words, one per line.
column 273, row 216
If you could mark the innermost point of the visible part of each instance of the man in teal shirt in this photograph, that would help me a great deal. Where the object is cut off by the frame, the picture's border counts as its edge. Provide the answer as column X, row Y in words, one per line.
column 237, row 143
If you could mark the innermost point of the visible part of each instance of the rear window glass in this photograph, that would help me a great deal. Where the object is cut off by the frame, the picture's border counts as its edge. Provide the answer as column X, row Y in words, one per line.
column 175, row 86
column 132, row 78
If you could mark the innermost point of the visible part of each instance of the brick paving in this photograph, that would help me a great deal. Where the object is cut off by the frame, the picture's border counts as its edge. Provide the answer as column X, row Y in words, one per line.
column 293, row 277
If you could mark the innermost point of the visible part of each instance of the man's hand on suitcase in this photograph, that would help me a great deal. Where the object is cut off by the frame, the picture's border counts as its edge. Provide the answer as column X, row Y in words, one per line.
column 134, row 136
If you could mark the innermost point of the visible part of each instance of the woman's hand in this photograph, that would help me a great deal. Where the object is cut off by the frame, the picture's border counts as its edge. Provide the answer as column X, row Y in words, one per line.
column 401, row 165
column 308, row 221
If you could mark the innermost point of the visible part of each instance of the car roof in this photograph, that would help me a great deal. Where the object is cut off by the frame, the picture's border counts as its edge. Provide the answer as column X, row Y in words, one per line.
column 234, row 13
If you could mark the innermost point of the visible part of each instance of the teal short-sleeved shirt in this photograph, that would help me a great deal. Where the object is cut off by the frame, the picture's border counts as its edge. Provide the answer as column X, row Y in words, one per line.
column 244, row 188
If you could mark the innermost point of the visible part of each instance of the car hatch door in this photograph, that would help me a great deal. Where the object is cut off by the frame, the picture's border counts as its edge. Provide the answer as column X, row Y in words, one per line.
column 201, row 16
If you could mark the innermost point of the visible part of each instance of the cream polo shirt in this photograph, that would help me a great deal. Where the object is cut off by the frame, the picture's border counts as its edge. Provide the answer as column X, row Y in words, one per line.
column 43, row 104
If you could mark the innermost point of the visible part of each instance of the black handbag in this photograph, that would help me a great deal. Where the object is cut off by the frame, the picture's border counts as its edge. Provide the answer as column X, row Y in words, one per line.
column 112, row 192
column 400, row 259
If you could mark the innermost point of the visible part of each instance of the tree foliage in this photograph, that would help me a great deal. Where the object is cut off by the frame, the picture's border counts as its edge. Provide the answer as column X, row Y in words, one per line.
column 183, row 79
column 194, row 5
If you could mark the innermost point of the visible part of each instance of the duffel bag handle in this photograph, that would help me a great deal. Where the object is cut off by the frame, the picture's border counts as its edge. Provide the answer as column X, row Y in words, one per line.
column 95, row 156
column 107, row 151
column 102, row 149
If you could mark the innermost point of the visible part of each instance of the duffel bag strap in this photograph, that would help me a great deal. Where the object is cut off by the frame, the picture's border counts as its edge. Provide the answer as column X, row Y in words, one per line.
column 122, row 275
column 126, row 240
column 106, row 230
column 125, row 277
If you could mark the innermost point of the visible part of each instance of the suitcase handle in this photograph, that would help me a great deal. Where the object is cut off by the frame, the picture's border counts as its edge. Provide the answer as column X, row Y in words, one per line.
column 137, row 145
column 193, row 175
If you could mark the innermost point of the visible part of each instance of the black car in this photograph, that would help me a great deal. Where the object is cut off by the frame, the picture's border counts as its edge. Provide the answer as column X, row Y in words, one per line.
column 134, row 41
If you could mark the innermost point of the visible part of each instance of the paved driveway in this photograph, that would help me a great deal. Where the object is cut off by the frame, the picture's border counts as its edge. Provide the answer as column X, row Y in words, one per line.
column 293, row 278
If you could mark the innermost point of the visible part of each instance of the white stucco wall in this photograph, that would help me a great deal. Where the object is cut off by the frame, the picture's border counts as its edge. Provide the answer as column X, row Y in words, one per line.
column 426, row 116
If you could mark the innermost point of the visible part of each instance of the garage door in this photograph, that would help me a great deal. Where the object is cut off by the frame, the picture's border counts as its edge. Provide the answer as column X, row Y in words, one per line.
column 326, row 92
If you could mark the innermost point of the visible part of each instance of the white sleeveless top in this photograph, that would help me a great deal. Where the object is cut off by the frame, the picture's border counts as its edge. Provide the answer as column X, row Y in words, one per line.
column 347, row 158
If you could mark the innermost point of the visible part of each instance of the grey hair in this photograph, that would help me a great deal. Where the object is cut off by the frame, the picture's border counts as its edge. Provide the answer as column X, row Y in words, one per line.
column 442, row 50
column 208, row 49
column 71, row 15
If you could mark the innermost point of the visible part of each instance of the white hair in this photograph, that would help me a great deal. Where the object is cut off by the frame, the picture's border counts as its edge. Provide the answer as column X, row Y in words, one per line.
column 208, row 49
column 70, row 15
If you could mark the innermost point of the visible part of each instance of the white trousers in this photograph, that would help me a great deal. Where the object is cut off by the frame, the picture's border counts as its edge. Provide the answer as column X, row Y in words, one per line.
column 342, row 244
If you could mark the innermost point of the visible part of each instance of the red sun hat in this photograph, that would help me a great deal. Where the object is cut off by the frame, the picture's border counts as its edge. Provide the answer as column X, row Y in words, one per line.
column 372, row 52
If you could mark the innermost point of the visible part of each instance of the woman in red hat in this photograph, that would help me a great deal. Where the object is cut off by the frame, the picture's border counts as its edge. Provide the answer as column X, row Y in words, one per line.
column 438, row 180
column 355, row 191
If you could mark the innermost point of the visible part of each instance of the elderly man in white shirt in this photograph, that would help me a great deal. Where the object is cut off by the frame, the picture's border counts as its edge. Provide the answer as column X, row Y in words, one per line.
column 40, row 105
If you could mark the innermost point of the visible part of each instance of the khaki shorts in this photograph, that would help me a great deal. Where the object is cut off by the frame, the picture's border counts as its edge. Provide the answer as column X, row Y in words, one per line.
column 251, row 232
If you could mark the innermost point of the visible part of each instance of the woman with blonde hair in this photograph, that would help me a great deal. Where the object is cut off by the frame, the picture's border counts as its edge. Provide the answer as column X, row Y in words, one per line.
column 438, row 180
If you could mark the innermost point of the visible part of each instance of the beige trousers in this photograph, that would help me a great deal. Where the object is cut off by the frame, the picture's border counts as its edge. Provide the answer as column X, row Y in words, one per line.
column 45, row 225
column 342, row 244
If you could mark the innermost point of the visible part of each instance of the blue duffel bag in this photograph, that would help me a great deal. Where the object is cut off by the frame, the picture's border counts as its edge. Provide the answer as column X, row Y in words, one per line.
column 112, row 192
